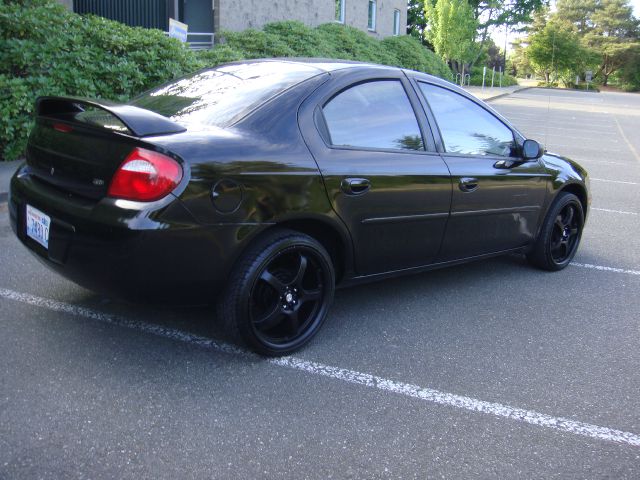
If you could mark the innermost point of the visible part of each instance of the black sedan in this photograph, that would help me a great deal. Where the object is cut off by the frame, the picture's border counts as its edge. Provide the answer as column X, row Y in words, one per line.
column 261, row 185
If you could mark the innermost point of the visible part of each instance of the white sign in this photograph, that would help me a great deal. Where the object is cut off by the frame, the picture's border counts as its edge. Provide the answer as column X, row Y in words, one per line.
column 588, row 75
column 178, row 30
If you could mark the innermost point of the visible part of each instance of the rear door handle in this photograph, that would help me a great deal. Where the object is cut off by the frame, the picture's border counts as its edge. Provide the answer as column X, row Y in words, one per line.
column 468, row 184
column 355, row 186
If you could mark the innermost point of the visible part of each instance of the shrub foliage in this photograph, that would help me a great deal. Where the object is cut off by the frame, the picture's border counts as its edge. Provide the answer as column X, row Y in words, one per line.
column 47, row 50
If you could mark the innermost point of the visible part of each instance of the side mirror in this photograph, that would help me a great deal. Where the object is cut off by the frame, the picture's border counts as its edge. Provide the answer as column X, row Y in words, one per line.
column 531, row 150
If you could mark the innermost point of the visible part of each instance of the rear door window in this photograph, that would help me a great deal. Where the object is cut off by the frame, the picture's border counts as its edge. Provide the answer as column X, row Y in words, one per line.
column 376, row 114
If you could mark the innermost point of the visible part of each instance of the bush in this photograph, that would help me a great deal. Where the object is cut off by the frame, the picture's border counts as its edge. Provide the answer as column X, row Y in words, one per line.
column 413, row 55
column 332, row 40
column 47, row 50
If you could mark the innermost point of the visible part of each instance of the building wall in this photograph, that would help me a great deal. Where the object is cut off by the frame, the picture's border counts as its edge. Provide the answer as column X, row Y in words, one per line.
column 357, row 15
column 238, row 15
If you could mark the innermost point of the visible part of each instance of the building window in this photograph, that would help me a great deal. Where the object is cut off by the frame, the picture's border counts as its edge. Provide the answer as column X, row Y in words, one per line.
column 371, row 24
column 340, row 11
column 396, row 22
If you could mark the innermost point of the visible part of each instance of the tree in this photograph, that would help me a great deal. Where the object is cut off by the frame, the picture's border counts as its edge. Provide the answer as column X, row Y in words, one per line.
column 557, row 48
column 451, row 29
column 614, row 35
column 507, row 13
column 518, row 63
column 578, row 12
column 416, row 22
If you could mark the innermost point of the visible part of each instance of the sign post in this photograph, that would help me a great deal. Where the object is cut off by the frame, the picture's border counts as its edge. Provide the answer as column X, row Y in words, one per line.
column 178, row 30
column 588, row 76
column 484, row 74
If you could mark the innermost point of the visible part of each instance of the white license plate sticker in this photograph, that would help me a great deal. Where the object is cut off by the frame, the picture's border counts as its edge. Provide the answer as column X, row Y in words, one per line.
column 38, row 225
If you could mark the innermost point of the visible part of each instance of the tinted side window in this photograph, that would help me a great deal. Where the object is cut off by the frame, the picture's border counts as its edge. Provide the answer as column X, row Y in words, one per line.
column 374, row 115
column 465, row 127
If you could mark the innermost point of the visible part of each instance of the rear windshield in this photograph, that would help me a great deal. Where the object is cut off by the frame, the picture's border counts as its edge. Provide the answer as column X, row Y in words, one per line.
column 223, row 95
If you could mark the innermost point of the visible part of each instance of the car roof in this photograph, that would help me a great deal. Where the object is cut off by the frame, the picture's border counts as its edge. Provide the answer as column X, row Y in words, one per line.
column 329, row 65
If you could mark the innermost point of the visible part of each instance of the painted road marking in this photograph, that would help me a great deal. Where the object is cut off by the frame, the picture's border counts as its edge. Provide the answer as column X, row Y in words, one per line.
column 613, row 211
column 605, row 269
column 629, row 144
column 614, row 181
column 349, row 376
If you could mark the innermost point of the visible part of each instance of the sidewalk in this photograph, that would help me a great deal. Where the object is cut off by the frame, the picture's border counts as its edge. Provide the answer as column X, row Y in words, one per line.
column 488, row 93
column 7, row 169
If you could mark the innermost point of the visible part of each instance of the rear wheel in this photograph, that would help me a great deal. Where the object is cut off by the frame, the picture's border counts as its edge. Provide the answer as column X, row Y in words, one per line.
column 560, row 234
column 279, row 293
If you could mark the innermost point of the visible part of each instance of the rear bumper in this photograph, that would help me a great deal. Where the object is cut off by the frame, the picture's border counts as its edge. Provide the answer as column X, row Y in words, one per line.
column 125, row 249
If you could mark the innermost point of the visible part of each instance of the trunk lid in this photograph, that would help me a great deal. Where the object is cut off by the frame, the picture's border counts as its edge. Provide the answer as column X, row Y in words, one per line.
column 77, row 145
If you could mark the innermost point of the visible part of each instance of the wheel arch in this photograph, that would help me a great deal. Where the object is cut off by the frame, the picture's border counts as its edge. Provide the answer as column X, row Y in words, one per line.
column 337, row 244
column 580, row 192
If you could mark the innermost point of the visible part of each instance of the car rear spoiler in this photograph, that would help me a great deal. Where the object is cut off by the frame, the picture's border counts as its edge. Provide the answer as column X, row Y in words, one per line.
column 140, row 122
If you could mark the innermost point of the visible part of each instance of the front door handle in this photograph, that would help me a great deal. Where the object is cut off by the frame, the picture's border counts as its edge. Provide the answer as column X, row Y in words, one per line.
column 468, row 184
column 355, row 186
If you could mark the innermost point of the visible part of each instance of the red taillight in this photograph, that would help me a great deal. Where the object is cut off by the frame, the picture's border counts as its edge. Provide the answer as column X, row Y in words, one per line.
column 62, row 127
column 145, row 176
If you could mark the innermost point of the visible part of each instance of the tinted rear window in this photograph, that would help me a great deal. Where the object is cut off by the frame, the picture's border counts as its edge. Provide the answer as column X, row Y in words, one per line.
column 223, row 95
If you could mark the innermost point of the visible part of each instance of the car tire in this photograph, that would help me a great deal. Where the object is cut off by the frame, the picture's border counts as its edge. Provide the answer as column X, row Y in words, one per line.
column 279, row 293
column 560, row 234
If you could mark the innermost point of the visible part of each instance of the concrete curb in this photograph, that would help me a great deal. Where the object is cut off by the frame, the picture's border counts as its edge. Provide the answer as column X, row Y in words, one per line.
column 501, row 95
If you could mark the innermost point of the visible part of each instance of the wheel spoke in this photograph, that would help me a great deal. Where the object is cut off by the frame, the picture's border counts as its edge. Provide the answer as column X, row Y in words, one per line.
column 559, row 223
column 270, row 319
column 565, row 249
column 574, row 231
column 293, row 321
column 310, row 295
column 302, row 268
column 273, row 281
column 555, row 247
column 569, row 218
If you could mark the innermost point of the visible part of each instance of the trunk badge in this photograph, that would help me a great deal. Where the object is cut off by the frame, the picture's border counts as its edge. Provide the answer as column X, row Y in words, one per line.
column 98, row 182
column 53, row 170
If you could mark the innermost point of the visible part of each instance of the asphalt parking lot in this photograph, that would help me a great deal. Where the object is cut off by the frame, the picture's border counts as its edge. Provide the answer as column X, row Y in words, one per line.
column 490, row 370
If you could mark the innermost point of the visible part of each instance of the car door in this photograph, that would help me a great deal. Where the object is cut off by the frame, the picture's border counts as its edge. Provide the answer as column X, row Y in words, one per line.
column 497, row 196
column 381, row 171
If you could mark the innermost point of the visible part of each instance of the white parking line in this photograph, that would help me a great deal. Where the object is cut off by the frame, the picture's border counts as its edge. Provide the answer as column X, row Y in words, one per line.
column 623, row 212
column 350, row 376
column 606, row 269
column 632, row 149
column 614, row 181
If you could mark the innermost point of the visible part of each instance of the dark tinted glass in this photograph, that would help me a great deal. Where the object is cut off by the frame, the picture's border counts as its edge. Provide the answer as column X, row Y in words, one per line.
column 223, row 95
column 374, row 115
column 466, row 127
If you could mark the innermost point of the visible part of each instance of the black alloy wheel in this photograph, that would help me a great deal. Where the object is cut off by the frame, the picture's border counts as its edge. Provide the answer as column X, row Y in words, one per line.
column 560, row 234
column 564, row 236
column 279, row 294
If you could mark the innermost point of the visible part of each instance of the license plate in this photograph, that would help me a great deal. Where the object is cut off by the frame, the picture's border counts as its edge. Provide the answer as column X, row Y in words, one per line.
column 38, row 225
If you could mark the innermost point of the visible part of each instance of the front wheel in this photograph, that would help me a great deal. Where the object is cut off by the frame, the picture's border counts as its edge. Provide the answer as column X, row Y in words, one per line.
column 279, row 293
column 560, row 234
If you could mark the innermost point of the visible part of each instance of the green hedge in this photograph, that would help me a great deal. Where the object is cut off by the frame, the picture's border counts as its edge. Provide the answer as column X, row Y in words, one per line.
column 47, row 50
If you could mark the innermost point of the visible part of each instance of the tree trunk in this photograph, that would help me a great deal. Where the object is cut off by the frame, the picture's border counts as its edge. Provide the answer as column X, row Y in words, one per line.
column 483, row 39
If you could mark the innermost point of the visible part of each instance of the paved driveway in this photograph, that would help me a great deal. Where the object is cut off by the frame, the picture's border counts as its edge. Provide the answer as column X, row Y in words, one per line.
column 489, row 370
